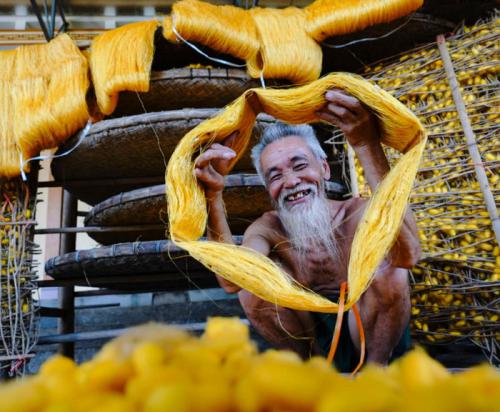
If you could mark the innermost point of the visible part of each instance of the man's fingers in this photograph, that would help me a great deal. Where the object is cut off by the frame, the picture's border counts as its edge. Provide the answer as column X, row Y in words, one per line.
column 231, row 139
column 345, row 115
column 225, row 149
column 330, row 118
column 223, row 153
column 340, row 98
column 203, row 174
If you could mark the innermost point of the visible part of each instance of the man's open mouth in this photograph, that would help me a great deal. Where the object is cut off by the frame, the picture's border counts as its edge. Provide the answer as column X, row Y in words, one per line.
column 298, row 195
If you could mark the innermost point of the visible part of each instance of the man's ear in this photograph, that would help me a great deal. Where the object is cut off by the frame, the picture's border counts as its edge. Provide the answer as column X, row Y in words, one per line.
column 326, row 169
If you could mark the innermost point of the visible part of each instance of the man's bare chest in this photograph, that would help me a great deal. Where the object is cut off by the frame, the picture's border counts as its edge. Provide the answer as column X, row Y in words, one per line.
column 317, row 269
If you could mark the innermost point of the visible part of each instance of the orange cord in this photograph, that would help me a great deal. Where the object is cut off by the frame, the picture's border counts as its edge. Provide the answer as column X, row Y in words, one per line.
column 338, row 324
column 361, row 339
column 338, row 327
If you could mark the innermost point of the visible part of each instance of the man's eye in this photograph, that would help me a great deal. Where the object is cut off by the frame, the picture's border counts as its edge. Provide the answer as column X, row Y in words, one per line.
column 275, row 177
column 300, row 166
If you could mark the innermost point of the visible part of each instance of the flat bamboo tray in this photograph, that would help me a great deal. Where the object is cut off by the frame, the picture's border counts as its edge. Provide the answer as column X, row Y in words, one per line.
column 186, row 88
column 245, row 198
column 132, row 266
column 131, row 147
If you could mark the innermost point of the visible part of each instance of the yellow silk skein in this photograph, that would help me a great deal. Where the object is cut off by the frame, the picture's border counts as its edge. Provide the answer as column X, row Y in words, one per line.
column 278, row 43
column 9, row 156
column 380, row 223
column 327, row 18
column 121, row 60
column 42, row 92
column 227, row 29
column 293, row 55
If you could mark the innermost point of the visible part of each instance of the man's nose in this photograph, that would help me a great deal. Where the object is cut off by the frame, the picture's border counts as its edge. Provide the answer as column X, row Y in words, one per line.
column 291, row 180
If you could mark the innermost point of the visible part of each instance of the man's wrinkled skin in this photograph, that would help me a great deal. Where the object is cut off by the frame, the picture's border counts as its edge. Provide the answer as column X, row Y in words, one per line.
column 288, row 164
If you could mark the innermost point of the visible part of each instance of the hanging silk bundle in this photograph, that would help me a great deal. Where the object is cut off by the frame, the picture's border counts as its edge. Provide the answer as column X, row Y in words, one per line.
column 296, row 56
column 327, row 18
column 278, row 43
column 227, row 29
column 9, row 156
column 42, row 92
column 250, row 270
column 121, row 60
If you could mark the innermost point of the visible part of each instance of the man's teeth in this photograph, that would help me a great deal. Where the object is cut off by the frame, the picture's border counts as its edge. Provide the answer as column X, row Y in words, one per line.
column 298, row 195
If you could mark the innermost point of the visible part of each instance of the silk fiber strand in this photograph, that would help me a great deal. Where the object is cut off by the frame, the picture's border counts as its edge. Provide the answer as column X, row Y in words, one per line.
column 250, row 270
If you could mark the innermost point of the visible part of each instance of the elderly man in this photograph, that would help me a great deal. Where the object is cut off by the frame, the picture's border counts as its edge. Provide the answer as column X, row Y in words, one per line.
column 310, row 236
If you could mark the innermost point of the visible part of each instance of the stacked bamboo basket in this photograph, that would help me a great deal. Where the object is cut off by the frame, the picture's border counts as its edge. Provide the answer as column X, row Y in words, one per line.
column 17, row 309
column 456, row 284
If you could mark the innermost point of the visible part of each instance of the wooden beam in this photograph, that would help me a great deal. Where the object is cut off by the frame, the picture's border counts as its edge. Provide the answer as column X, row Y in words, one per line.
column 20, row 37
column 162, row 3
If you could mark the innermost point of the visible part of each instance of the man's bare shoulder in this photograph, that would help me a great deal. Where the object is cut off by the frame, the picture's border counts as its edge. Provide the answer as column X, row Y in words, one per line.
column 355, row 205
column 267, row 226
column 348, row 212
column 268, row 221
column 264, row 233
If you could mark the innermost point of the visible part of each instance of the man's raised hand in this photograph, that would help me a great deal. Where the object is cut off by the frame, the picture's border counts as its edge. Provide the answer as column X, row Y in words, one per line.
column 345, row 111
column 213, row 164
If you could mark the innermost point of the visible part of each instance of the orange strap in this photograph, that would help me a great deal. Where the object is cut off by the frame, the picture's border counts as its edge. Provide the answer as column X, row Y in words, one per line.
column 361, row 338
column 338, row 327
column 338, row 324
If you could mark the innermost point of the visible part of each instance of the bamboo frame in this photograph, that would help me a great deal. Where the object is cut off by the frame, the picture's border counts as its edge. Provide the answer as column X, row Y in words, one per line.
column 470, row 137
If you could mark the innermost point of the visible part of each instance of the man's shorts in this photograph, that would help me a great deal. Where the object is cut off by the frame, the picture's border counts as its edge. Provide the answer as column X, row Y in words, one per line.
column 346, row 357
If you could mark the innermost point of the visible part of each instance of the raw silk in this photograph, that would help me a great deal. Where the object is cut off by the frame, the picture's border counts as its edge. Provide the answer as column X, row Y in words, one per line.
column 279, row 43
column 379, row 225
column 120, row 60
column 42, row 99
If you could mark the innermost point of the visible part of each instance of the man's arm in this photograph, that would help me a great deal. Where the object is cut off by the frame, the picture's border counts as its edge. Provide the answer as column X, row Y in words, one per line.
column 210, row 169
column 360, row 128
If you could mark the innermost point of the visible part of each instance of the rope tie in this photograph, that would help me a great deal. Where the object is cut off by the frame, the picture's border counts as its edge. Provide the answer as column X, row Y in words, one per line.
column 23, row 162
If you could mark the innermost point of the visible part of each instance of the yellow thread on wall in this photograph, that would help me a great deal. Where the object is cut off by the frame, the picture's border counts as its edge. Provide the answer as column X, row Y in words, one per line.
column 121, row 60
column 327, row 18
column 253, row 271
column 43, row 90
column 282, row 42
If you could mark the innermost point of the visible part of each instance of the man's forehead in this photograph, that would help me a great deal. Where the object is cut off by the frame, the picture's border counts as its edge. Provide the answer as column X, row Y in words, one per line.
column 286, row 147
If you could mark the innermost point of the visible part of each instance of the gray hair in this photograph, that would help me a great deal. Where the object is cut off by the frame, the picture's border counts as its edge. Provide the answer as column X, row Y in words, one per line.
column 279, row 131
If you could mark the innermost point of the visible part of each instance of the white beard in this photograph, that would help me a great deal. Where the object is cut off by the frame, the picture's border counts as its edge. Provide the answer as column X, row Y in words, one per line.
column 309, row 224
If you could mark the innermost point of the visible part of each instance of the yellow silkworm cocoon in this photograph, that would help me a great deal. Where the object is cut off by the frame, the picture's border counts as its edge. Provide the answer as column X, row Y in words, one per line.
column 379, row 226
column 121, row 60
column 43, row 89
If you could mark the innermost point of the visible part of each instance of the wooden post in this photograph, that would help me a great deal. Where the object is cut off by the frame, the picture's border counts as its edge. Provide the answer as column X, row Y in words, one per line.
column 66, row 324
column 469, row 136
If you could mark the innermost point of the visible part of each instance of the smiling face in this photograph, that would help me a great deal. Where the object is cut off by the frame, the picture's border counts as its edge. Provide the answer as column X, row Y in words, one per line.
column 294, row 178
column 293, row 174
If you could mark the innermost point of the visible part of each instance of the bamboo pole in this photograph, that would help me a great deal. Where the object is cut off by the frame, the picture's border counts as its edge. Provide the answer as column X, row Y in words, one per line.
column 470, row 137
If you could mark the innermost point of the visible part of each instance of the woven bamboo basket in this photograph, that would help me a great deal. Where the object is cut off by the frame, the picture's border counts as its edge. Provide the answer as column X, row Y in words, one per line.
column 244, row 196
column 131, row 147
column 186, row 88
column 456, row 284
column 133, row 266
column 245, row 199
